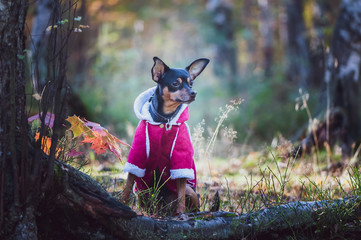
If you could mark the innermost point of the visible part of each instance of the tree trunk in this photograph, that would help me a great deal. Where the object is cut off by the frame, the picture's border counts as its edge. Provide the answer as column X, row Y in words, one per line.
column 324, row 14
column 14, row 216
column 266, row 29
column 226, row 63
column 345, row 79
column 249, row 32
column 298, row 68
column 25, row 172
column 342, row 79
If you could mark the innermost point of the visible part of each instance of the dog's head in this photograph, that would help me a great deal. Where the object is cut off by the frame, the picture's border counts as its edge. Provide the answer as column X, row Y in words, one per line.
column 176, row 84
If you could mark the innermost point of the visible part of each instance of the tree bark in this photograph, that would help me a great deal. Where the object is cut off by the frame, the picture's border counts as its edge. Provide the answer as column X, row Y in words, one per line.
column 25, row 173
column 345, row 71
column 324, row 15
column 342, row 80
column 13, row 121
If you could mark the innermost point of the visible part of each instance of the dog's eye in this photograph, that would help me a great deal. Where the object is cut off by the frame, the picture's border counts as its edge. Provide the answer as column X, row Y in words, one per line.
column 176, row 84
column 191, row 84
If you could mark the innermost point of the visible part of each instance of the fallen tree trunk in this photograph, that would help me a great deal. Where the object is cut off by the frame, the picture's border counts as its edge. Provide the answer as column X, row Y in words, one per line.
column 297, row 218
column 78, row 207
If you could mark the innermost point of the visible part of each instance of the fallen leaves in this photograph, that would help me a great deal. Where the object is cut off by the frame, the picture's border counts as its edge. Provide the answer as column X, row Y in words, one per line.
column 99, row 137
column 94, row 133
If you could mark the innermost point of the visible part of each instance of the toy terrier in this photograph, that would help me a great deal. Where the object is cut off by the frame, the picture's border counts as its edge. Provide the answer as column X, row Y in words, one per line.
column 162, row 154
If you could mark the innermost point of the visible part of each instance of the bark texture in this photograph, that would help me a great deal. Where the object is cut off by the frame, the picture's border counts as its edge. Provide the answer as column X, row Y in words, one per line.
column 25, row 173
column 13, row 122
column 345, row 73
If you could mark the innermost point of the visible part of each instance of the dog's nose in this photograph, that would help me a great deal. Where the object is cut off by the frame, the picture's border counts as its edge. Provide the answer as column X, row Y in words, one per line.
column 193, row 93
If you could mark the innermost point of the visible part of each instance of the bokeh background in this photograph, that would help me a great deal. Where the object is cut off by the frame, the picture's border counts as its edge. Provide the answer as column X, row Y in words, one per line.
column 262, row 51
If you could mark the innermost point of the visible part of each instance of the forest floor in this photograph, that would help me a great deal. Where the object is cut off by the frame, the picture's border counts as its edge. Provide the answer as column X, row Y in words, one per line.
column 255, row 181
column 258, row 180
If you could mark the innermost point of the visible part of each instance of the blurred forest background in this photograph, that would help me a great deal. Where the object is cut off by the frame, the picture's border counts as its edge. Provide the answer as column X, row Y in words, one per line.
column 263, row 51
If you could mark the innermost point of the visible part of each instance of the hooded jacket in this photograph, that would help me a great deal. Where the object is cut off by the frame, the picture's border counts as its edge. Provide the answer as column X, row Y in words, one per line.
column 162, row 147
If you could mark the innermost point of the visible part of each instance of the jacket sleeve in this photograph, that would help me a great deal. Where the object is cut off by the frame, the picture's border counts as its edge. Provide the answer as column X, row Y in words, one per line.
column 138, row 152
column 182, row 163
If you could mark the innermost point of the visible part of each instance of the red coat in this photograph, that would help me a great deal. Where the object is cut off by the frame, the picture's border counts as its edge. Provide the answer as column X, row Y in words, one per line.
column 170, row 151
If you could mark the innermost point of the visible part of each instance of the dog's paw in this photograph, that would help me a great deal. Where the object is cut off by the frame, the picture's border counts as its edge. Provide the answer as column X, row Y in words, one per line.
column 182, row 217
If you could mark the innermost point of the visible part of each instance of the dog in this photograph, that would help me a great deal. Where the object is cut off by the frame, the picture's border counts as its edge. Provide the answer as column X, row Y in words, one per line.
column 162, row 152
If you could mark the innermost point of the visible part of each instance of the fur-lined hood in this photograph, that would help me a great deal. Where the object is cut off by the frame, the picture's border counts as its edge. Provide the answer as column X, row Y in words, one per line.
column 142, row 104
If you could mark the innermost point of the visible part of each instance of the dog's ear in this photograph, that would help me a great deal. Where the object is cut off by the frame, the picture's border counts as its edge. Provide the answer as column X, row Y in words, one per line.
column 158, row 69
column 196, row 67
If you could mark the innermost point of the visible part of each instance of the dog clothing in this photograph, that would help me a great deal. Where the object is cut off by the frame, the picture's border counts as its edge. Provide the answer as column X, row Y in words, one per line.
column 163, row 148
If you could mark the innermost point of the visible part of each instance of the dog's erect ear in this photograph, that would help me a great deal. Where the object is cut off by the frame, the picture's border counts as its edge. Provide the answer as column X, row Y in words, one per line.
column 196, row 67
column 158, row 69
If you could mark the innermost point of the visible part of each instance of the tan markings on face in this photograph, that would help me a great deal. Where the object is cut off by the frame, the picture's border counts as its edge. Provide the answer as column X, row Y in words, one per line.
column 169, row 98
column 189, row 81
column 179, row 80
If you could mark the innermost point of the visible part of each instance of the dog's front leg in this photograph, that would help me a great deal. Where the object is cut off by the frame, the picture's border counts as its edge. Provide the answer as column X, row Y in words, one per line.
column 181, row 190
column 128, row 187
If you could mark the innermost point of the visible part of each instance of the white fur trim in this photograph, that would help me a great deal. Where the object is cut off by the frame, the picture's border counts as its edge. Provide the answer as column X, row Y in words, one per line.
column 182, row 173
column 175, row 139
column 131, row 168
column 141, row 105
column 141, row 108
column 189, row 132
column 147, row 143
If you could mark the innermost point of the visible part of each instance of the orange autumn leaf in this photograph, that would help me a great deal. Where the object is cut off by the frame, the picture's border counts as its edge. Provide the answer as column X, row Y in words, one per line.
column 113, row 145
column 94, row 133
column 97, row 144
column 46, row 143
column 77, row 126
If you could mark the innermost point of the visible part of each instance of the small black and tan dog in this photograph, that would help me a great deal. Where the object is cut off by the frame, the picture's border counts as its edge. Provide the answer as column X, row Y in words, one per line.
column 162, row 147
